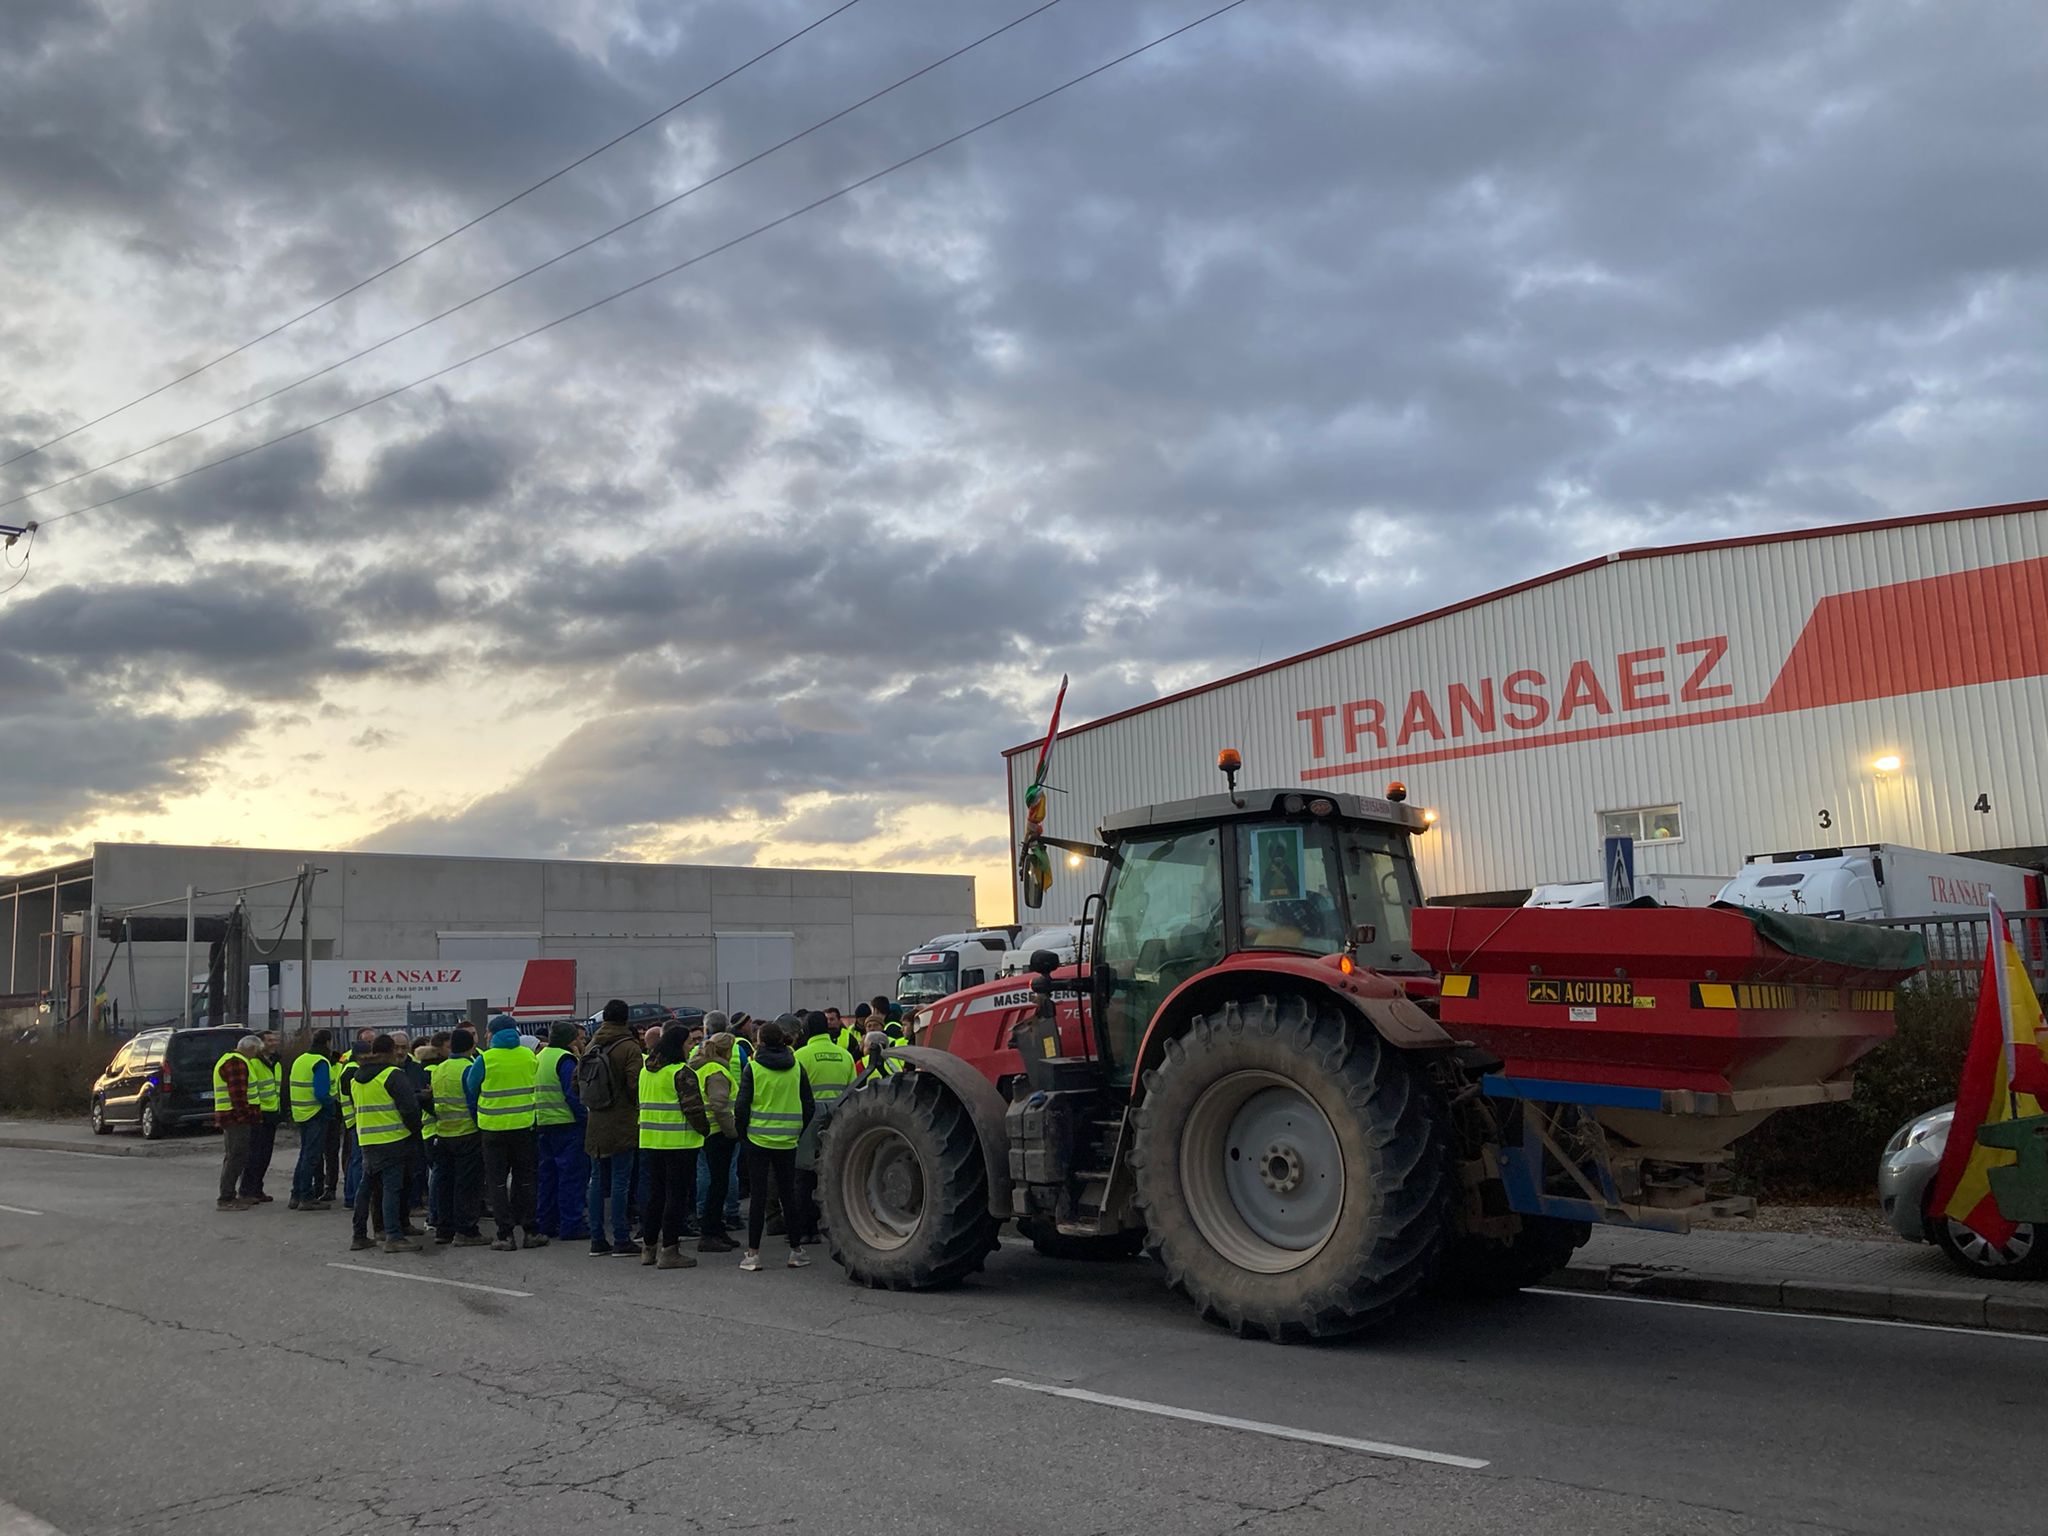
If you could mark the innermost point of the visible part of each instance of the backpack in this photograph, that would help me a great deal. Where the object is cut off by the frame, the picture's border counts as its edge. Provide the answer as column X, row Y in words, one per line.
column 597, row 1085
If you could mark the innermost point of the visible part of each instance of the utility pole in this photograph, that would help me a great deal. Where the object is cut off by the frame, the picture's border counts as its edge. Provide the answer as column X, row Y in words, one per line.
column 185, row 981
column 305, row 952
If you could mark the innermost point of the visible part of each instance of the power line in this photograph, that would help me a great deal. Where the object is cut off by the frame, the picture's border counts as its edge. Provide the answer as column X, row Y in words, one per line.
column 27, row 550
column 519, row 277
column 665, row 273
column 356, row 287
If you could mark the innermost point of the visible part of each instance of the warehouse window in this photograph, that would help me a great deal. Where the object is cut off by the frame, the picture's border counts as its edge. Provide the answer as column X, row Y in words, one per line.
column 1645, row 823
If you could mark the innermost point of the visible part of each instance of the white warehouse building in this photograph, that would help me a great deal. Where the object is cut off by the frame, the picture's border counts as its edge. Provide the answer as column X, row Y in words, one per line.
column 1877, row 682
column 691, row 935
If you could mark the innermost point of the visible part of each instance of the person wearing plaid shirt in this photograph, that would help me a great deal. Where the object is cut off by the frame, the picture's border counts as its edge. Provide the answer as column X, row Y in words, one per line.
column 237, row 1116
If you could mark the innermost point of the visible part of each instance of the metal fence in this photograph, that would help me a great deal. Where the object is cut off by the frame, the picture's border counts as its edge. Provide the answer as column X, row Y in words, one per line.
column 1955, row 946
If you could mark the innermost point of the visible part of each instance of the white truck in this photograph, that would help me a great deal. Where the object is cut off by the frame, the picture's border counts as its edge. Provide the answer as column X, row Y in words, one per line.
column 1666, row 890
column 1877, row 880
column 1063, row 939
column 941, row 966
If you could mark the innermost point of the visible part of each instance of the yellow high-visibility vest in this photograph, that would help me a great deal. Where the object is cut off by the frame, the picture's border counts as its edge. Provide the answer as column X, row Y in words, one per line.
column 829, row 1067
column 775, row 1117
column 304, row 1066
column 378, row 1122
column 452, row 1118
column 550, row 1106
column 663, row 1125
column 506, row 1102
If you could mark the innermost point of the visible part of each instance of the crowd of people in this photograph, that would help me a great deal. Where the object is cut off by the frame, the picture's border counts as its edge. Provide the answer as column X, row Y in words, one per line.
column 637, row 1140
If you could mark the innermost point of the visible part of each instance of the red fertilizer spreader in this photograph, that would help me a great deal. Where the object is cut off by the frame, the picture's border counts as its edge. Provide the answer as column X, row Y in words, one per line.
column 1636, row 1044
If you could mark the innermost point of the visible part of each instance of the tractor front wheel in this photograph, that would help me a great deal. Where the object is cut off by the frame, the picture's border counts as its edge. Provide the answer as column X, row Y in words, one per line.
column 902, row 1185
column 1290, row 1165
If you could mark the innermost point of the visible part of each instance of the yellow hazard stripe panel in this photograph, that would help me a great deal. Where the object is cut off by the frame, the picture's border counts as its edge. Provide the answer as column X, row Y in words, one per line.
column 1769, row 997
column 1456, row 985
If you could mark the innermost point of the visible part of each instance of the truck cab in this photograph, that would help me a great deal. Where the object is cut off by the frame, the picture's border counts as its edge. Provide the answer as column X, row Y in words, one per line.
column 942, row 966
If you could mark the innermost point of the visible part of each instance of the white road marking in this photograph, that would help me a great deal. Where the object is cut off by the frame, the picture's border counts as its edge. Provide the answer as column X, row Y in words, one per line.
column 20, row 1210
column 1808, row 1317
column 399, row 1274
column 1250, row 1426
column 19, row 1522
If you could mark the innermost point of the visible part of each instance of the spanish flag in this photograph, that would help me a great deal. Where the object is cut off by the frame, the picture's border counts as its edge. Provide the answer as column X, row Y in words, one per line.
column 2005, row 1077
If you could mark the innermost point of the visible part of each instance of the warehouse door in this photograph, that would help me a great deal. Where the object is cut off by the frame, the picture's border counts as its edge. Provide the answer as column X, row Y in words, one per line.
column 755, row 971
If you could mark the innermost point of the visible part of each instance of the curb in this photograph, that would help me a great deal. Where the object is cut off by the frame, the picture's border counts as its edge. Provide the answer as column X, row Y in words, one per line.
column 99, row 1146
column 2008, row 1308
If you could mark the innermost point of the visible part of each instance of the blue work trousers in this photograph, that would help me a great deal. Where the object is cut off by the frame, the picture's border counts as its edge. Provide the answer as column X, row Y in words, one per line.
column 562, row 1185
column 306, row 1172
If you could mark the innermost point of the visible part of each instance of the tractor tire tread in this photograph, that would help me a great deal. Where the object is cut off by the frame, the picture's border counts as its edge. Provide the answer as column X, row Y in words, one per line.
column 1395, row 1116
column 961, row 1232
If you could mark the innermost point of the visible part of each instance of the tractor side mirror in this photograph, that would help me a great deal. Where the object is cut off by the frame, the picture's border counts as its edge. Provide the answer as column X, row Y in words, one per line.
column 1043, row 961
column 1033, row 883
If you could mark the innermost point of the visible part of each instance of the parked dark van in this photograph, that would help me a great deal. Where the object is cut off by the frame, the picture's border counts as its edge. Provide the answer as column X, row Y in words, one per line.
column 162, row 1080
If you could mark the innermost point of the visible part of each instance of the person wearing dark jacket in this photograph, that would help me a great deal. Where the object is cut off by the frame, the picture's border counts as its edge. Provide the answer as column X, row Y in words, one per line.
column 611, row 1135
column 773, row 1107
column 387, row 1123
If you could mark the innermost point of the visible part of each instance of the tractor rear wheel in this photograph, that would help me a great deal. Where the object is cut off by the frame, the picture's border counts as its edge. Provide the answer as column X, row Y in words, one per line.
column 1478, row 1268
column 902, row 1185
column 1291, row 1168
column 1052, row 1243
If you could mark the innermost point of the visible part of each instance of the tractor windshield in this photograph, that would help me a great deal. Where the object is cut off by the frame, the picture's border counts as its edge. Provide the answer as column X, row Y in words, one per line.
column 1379, row 874
column 1289, row 895
column 1164, row 924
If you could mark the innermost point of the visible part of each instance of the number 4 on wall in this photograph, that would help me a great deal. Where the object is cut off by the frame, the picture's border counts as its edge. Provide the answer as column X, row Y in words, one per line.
column 1983, row 804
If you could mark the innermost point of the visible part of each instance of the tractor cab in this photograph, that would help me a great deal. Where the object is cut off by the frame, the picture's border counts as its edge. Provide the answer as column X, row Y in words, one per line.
column 1219, row 880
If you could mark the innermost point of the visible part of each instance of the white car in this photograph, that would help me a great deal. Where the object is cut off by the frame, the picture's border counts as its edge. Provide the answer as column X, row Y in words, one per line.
column 1905, row 1174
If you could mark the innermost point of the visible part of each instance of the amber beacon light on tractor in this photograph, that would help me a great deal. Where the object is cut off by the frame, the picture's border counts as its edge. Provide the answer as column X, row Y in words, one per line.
column 1309, row 1097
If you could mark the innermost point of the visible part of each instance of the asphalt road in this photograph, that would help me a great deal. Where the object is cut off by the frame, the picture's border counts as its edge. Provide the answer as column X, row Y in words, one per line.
column 164, row 1368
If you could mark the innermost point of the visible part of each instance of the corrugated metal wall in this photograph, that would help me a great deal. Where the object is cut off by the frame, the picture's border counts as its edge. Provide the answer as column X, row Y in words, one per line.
column 1519, row 807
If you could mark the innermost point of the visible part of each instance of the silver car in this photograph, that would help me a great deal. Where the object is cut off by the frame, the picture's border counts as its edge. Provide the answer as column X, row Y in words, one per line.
column 1911, row 1159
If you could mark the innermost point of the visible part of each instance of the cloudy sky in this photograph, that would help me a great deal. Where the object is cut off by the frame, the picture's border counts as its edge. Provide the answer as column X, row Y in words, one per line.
column 1322, row 314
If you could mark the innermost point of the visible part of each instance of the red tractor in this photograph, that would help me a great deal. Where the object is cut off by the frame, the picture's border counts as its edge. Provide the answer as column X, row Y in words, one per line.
column 1250, row 1077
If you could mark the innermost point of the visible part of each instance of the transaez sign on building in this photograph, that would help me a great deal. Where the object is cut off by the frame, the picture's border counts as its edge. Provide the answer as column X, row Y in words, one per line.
column 1924, row 636
column 526, row 989
column 1528, row 705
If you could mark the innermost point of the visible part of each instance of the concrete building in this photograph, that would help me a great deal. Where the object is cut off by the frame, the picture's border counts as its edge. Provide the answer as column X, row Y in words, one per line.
column 676, row 934
column 1879, row 682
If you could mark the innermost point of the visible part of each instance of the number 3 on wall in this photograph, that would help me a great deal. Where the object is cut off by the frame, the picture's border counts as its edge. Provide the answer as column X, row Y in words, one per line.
column 1826, row 820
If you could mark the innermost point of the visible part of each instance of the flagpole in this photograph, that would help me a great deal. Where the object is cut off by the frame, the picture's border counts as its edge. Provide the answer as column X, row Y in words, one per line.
column 2005, row 1020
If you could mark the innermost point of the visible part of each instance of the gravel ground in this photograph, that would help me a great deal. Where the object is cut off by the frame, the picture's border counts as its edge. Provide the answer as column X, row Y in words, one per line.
column 1819, row 1220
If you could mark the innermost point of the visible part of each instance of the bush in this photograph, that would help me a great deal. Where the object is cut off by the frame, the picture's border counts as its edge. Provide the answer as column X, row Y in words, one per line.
column 1830, row 1151
column 54, row 1076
